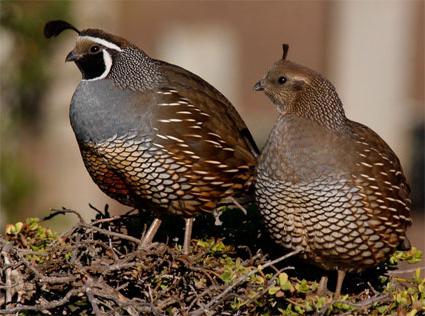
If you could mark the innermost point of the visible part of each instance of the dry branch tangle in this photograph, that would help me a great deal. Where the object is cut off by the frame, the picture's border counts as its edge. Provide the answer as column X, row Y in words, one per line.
column 97, row 256
column 97, row 268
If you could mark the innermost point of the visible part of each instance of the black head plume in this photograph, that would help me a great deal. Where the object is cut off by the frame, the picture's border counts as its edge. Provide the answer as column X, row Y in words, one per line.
column 54, row 28
column 285, row 50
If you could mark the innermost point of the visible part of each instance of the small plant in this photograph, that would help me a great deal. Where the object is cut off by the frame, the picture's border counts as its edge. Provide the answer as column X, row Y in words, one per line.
column 31, row 234
column 413, row 255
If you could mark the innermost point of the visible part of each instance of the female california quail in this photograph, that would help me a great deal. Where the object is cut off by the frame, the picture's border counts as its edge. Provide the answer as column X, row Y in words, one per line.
column 327, row 185
column 152, row 134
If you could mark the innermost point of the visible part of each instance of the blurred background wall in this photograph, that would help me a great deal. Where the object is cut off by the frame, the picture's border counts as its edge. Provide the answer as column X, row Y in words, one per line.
column 372, row 50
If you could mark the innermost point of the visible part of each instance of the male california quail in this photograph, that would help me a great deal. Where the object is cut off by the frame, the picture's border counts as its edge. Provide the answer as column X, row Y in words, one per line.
column 152, row 134
column 327, row 185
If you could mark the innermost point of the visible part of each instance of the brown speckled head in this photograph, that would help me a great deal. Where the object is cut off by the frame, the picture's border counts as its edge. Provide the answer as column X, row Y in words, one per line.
column 294, row 88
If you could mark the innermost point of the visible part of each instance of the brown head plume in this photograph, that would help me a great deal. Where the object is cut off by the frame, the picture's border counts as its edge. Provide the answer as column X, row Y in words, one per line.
column 285, row 50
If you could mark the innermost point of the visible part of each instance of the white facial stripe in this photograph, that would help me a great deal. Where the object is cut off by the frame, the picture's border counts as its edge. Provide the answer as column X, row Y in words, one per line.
column 107, row 59
column 102, row 42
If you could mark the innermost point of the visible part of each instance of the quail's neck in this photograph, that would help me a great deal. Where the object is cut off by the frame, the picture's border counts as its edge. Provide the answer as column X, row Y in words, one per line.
column 135, row 70
column 321, row 104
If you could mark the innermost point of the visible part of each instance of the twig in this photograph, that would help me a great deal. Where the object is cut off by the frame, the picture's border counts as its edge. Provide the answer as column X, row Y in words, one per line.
column 110, row 244
column 375, row 292
column 105, row 210
column 105, row 220
column 105, row 269
column 8, row 271
column 141, row 306
column 238, row 205
column 63, row 211
column 41, row 307
column 122, row 286
column 11, row 285
column 197, row 297
column 102, row 289
column 109, row 233
column 273, row 262
column 358, row 306
column 206, row 273
column 43, row 278
column 406, row 270
column 167, row 302
column 92, row 301
column 31, row 252
column 275, row 276
column 369, row 301
column 241, row 280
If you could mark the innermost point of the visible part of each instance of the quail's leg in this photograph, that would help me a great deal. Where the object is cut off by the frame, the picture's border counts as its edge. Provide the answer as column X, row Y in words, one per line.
column 187, row 235
column 341, row 276
column 323, row 286
column 151, row 232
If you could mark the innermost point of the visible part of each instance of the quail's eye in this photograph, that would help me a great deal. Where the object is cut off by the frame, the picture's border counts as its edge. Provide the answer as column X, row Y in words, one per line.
column 94, row 49
column 281, row 80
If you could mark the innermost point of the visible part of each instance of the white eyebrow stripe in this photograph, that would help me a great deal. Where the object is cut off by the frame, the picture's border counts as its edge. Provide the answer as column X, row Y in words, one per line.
column 101, row 42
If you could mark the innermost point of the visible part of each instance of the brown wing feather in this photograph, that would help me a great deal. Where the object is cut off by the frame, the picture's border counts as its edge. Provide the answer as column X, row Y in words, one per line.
column 209, row 142
column 194, row 86
column 385, row 191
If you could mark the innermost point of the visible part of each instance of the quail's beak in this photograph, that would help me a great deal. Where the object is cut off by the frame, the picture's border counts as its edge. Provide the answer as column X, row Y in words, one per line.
column 72, row 56
column 259, row 86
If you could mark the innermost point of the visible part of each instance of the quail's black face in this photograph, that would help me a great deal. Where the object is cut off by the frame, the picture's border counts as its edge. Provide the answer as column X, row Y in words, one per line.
column 93, row 56
column 90, row 58
column 91, row 63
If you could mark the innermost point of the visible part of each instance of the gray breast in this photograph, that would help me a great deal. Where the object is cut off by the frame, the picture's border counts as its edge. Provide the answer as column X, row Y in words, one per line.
column 100, row 110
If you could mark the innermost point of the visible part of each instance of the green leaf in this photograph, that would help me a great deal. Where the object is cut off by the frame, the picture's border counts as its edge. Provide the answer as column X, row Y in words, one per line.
column 283, row 278
column 226, row 276
column 343, row 306
column 320, row 302
column 382, row 309
column 413, row 255
column 302, row 287
column 203, row 244
column 18, row 227
column 284, row 282
column 299, row 310
column 273, row 290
